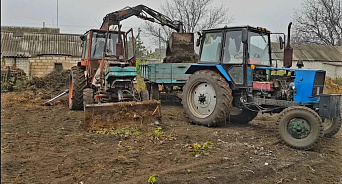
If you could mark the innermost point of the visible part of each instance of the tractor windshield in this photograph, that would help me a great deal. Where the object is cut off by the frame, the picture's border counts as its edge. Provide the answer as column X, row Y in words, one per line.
column 98, row 42
column 258, row 47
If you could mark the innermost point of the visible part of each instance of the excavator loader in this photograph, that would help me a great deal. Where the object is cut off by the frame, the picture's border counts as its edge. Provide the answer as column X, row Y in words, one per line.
column 102, row 82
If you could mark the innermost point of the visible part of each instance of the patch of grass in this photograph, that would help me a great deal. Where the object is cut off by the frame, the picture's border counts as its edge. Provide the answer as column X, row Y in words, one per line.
column 159, row 131
column 124, row 132
column 2, row 150
column 152, row 179
column 198, row 149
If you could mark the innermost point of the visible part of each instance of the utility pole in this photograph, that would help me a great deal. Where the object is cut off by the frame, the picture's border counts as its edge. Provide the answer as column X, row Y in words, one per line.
column 159, row 47
column 57, row 13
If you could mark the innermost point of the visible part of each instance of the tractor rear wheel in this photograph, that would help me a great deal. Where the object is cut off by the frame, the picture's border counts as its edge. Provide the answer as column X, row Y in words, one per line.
column 300, row 127
column 331, row 126
column 207, row 98
column 77, row 83
column 244, row 117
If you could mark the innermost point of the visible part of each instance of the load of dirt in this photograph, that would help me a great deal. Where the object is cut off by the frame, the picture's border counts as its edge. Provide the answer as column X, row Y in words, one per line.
column 54, row 83
column 182, row 58
column 331, row 87
column 116, row 115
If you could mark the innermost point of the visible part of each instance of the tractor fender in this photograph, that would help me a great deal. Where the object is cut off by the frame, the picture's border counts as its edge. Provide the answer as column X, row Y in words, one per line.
column 217, row 68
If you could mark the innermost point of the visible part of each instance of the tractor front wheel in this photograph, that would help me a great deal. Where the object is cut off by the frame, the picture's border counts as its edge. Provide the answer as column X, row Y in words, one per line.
column 207, row 98
column 77, row 83
column 144, row 95
column 300, row 127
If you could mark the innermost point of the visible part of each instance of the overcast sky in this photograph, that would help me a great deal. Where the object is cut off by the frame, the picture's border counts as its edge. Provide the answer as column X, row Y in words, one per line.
column 77, row 16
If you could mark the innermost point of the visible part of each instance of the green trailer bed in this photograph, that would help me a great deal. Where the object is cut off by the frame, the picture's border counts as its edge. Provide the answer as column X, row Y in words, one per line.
column 165, row 73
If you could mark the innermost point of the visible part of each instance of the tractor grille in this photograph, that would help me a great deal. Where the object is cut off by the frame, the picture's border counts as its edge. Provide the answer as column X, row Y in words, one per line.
column 318, row 83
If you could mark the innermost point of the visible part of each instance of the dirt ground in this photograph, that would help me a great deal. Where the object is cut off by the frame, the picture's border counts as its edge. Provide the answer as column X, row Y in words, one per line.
column 47, row 144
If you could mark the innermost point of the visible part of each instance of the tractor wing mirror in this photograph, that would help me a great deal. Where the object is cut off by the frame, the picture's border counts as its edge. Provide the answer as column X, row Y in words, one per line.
column 244, row 36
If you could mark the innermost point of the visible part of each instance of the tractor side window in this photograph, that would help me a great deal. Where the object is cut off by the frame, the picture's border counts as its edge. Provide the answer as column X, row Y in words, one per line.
column 236, row 73
column 233, row 49
column 130, row 44
column 97, row 46
column 258, row 49
column 211, row 47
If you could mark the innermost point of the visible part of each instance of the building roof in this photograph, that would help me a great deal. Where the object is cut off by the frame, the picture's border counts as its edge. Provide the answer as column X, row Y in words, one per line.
column 14, row 44
column 310, row 52
column 16, row 29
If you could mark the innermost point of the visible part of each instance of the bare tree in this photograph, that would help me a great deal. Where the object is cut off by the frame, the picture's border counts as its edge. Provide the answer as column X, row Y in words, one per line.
column 195, row 15
column 318, row 22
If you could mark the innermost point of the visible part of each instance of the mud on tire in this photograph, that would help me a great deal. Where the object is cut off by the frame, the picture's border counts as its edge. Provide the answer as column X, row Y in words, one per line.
column 300, row 127
column 77, row 83
column 331, row 126
column 207, row 98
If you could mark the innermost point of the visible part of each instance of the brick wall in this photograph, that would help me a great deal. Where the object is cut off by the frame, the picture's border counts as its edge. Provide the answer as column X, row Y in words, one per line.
column 43, row 65
column 22, row 63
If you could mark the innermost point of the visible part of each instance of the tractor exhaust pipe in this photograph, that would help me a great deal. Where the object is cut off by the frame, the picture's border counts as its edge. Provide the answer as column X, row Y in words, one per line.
column 288, row 51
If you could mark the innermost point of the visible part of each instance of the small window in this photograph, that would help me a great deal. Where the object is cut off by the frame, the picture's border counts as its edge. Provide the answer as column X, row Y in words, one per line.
column 236, row 73
column 58, row 67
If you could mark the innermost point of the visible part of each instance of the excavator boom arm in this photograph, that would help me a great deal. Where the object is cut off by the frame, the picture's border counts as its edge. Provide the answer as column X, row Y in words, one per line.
column 140, row 11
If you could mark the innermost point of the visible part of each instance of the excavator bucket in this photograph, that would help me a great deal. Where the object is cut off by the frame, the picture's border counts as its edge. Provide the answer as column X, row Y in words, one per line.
column 180, row 49
column 118, row 114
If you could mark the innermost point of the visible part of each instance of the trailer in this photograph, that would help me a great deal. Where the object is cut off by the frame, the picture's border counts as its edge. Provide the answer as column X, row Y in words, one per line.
column 164, row 78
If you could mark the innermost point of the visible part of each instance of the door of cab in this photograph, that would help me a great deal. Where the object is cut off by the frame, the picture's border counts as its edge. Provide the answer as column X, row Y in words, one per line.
column 130, row 46
column 234, row 56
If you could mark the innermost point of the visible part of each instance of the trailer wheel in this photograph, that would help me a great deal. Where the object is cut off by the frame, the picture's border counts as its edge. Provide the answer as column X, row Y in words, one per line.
column 207, row 98
column 331, row 126
column 88, row 96
column 300, row 127
column 144, row 95
column 244, row 117
column 153, row 89
column 77, row 83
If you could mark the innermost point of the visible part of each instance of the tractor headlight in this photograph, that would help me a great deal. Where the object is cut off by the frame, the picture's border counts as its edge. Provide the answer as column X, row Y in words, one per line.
column 292, row 85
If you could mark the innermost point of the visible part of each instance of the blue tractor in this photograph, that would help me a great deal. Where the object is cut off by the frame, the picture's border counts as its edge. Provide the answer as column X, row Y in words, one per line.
column 234, row 80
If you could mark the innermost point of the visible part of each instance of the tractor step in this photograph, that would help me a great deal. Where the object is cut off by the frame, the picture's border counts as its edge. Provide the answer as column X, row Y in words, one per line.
column 116, row 115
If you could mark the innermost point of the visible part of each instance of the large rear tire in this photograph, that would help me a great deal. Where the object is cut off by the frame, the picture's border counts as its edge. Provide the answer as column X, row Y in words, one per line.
column 244, row 117
column 331, row 126
column 77, row 83
column 300, row 127
column 207, row 98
